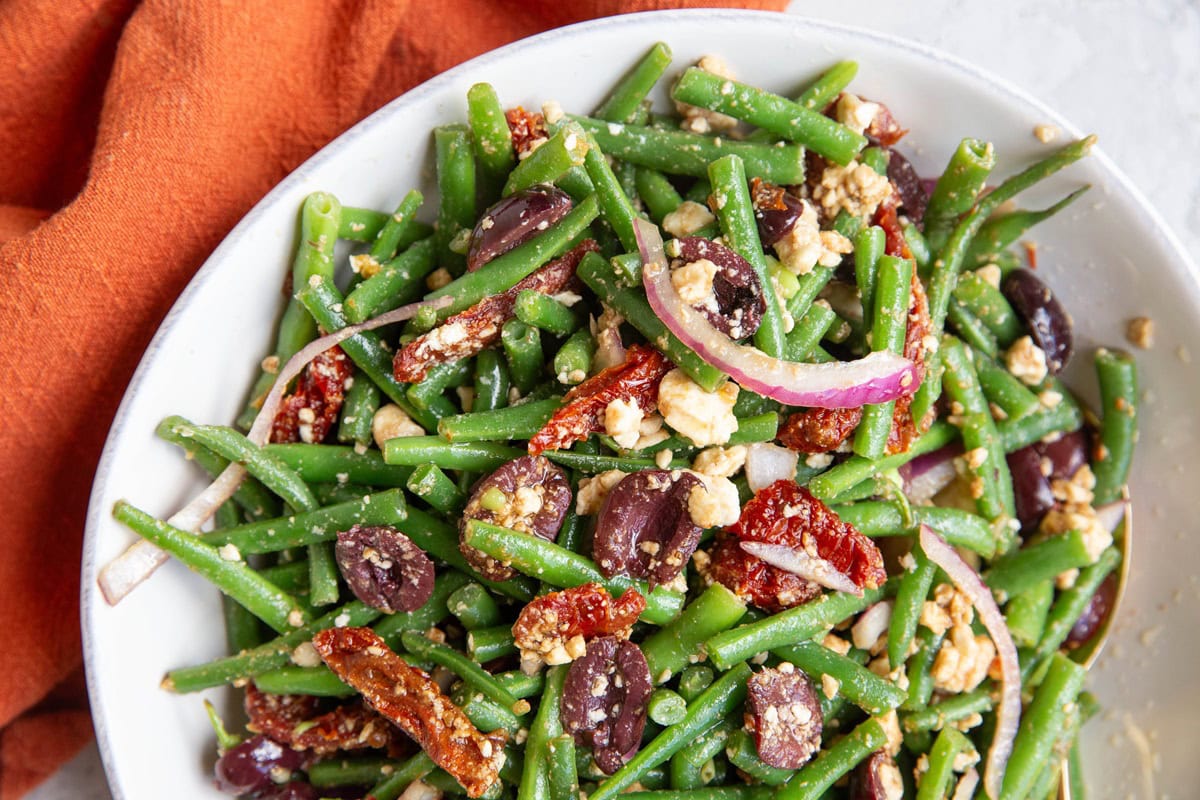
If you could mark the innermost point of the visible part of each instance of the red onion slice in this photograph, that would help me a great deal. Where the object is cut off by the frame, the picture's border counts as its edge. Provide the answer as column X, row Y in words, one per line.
column 871, row 625
column 1111, row 515
column 965, row 789
column 878, row 378
column 927, row 475
column 767, row 463
column 798, row 562
column 139, row 561
column 1008, row 712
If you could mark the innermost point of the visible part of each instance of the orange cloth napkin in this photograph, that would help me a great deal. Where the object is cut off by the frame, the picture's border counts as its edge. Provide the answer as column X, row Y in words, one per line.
column 132, row 137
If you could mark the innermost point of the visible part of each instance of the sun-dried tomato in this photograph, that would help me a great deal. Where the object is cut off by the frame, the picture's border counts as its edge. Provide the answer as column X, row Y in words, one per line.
column 309, row 412
column 409, row 698
column 884, row 129
column 478, row 327
column 819, row 430
column 636, row 379
column 555, row 627
column 905, row 429
column 303, row 722
column 788, row 514
column 526, row 128
column 886, row 218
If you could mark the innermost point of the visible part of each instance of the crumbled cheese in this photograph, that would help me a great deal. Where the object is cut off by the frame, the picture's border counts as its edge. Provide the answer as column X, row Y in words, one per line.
column 990, row 274
column 818, row 460
column 437, row 279
column 1026, row 361
column 830, row 686
column 891, row 726
column 568, row 298
column 1140, row 332
column 1075, row 513
column 935, row 617
column 805, row 245
column 622, row 421
column 593, row 491
column 835, row 643
column 552, row 111
column 694, row 282
column 662, row 459
column 229, row 552
column 706, row 418
column 466, row 397
column 962, row 661
column 391, row 422
column 305, row 655
column 855, row 113
column 363, row 264
column 1045, row 132
column 688, row 218
column 701, row 120
column 855, row 188
column 976, row 458
column 715, row 504
column 720, row 462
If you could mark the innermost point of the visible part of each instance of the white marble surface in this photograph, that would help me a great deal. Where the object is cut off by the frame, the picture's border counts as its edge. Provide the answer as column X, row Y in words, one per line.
column 1125, row 69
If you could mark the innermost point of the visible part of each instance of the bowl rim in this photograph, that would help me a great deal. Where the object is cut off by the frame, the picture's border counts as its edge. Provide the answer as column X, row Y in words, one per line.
column 1150, row 219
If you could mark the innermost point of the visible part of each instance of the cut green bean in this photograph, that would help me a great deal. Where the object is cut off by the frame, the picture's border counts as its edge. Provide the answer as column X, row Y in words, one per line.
column 811, row 782
column 490, row 134
column 514, row 422
column 474, row 607
column 399, row 281
column 970, row 329
column 391, row 787
column 456, row 185
column 360, row 224
column 400, row 231
column 523, row 347
column 1001, row 231
column 856, row 469
column 491, row 383
column 1041, row 725
column 626, row 98
column 694, row 680
column 953, row 709
column 535, row 778
column 326, row 463
column 1003, row 389
column 474, row 456
column 252, row 496
column 1117, row 374
column 892, row 293
column 318, row 682
column 910, row 600
column 743, row 754
column 666, row 707
column 805, row 336
column 488, row 644
column 868, row 247
column 435, row 487
column 672, row 647
column 1024, row 431
column 657, row 193
column 437, row 380
column 920, row 667
column 311, row 527
column 574, row 358
column 1026, row 613
column 615, row 206
column 544, row 312
column 859, row 685
column 989, row 305
column 565, row 149
column 1023, row 569
column 462, row 666
column 440, row 540
column 959, row 528
column 358, row 413
column 957, row 189
column 918, row 246
column 934, row 782
column 592, row 464
column 820, row 93
column 1071, row 603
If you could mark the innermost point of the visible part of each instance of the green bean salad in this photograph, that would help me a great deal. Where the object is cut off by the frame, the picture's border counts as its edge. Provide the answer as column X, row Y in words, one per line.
column 714, row 454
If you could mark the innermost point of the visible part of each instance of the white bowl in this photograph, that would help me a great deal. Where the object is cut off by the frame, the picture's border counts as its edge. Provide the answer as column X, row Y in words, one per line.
column 1109, row 257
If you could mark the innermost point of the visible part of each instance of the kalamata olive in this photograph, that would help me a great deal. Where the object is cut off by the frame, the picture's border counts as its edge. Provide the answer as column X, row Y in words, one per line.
column 1066, row 454
column 877, row 778
column 528, row 494
column 913, row 197
column 1031, row 488
column 775, row 211
column 718, row 283
column 255, row 766
column 514, row 220
column 784, row 713
column 604, row 700
column 1094, row 615
column 384, row 568
column 1048, row 322
column 644, row 528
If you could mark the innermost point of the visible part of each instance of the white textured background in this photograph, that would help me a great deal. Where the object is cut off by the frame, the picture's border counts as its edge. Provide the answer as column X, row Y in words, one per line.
column 1128, row 70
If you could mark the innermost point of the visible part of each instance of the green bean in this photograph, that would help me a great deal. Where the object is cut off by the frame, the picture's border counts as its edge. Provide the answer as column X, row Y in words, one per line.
column 1117, row 374
column 970, row 329
column 1026, row 613
column 868, row 247
column 691, row 766
column 672, row 647
column 910, row 600
column 251, row 495
column 440, row 540
column 397, row 282
column 666, row 707
column 743, row 754
column 438, row 379
column 232, row 576
column 544, row 312
column 1075, row 767
column 390, row 787
column 793, row 625
column 319, row 223
column 625, row 99
column 876, row 158
column 1023, row 569
column 514, row 422
column 456, row 186
column 462, row 666
column 535, row 778
column 789, row 120
column 574, row 358
column 520, row 684
column 957, row 189
column 560, row 567
column 735, row 212
column 473, row 607
column 400, row 230
column 291, row 576
column 1001, row 231
column 365, row 349
column 358, row 412
column 318, row 682
column 491, row 383
column 393, row 626
column 656, row 193
column 332, row 494
column 820, row 93
column 694, row 679
column 920, row 669
column 859, row 685
column 615, row 206
column 959, row 528
column 1071, row 603
column 892, row 294
column 434, row 487
column 805, row 336
column 504, row 271
column 490, row 133
column 853, row 470
column 930, row 390
column 631, row 304
column 593, row 464
column 1024, row 431
column 989, row 305
column 1003, row 389
column 563, row 777
column 311, row 527
column 735, row 792
column 933, row 784
column 242, row 629
column 341, row 771
column 953, row 709
column 327, row 463
column 992, row 484
column 917, row 246
column 1040, row 726
column 360, row 224
column 678, row 152
column 268, row 656
column 811, row 782
column 474, row 456
column 523, row 347
column 488, row 644
column 717, row 701
column 565, row 149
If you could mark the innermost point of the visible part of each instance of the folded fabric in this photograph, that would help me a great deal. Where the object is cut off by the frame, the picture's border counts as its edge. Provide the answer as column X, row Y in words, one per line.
column 133, row 136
